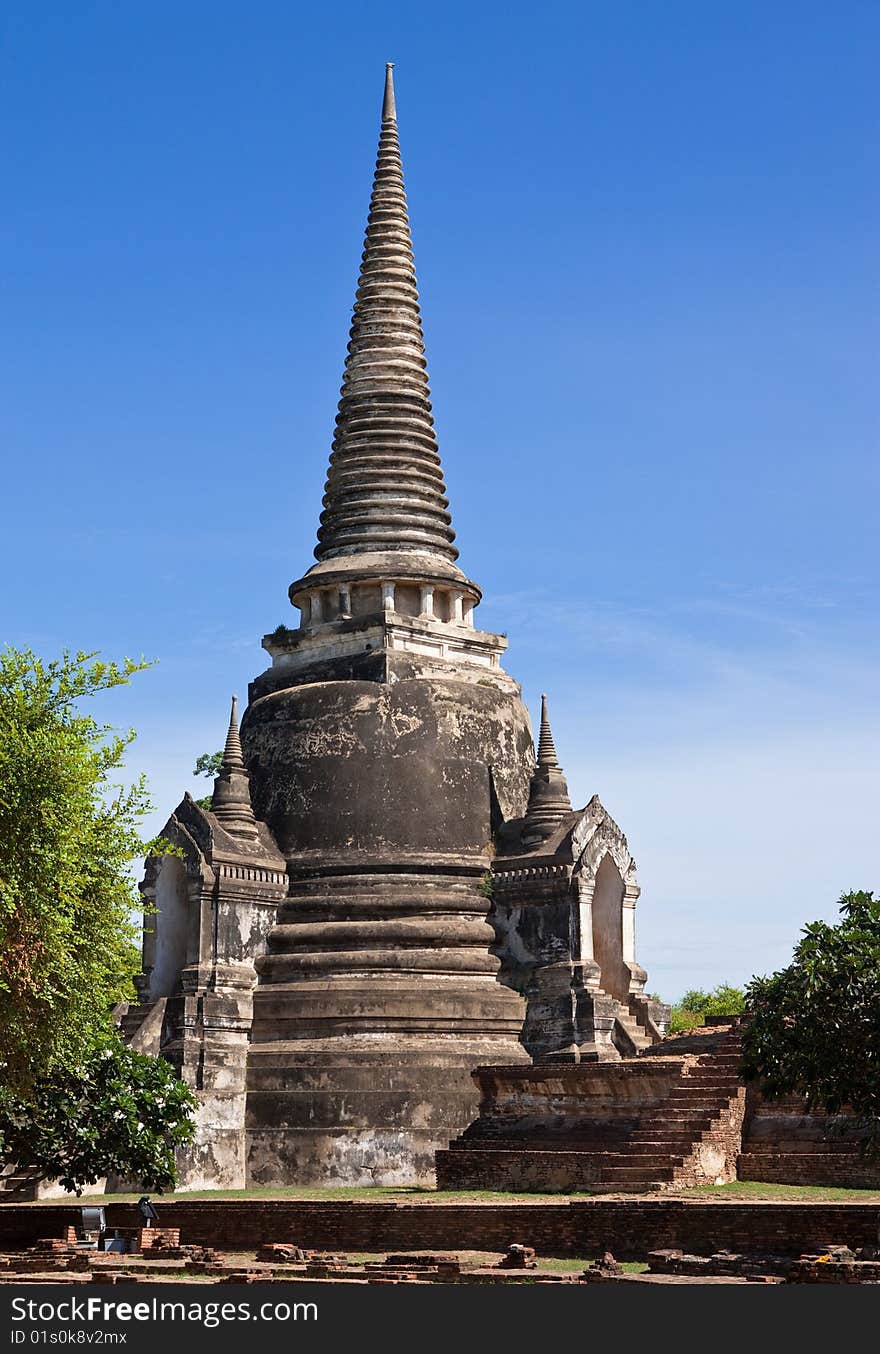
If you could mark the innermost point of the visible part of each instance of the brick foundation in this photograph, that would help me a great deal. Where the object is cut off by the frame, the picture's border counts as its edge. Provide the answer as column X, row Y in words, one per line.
column 627, row 1227
column 841, row 1170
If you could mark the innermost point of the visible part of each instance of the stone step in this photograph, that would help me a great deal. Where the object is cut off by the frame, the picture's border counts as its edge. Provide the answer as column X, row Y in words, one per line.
column 686, row 1099
column 717, row 1077
column 683, row 1110
column 791, row 1147
column 672, row 1128
column 18, row 1184
column 525, row 1145
column 639, row 1159
column 717, row 1090
column 633, row 1186
column 668, row 1152
column 681, row 1122
column 663, row 1154
column 678, row 1120
column 635, row 1177
column 694, row 1100
column 664, row 1140
column 712, row 1074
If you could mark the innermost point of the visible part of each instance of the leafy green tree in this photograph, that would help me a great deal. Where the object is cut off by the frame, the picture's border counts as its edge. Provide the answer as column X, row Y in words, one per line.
column 814, row 1027
column 116, row 1113
column 696, row 1006
column 67, row 836
column 74, row 1101
column 208, row 764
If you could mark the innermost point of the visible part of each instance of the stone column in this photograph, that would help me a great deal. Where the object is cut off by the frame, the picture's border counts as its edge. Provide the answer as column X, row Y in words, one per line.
column 388, row 596
column 584, row 932
column 316, row 610
column 637, row 975
column 469, row 613
column 148, row 893
column 344, row 600
column 456, row 608
column 427, row 601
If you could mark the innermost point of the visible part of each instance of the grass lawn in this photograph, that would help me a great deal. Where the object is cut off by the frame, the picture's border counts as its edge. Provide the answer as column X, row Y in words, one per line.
column 333, row 1194
column 746, row 1190
column 741, row 1190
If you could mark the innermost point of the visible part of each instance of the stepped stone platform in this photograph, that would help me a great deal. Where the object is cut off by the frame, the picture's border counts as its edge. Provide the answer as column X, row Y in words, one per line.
column 645, row 1123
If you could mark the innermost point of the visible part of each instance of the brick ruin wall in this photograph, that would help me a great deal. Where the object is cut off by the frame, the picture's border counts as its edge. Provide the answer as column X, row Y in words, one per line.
column 581, row 1228
column 785, row 1144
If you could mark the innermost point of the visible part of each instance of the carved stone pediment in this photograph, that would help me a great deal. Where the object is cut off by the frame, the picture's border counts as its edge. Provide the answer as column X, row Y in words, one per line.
column 596, row 835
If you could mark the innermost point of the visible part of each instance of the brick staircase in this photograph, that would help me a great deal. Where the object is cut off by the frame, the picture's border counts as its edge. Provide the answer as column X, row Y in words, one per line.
column 629, row 1037
column 18, row 1184
column 694, row 1137
column 691, row 1135
column 141, row 1025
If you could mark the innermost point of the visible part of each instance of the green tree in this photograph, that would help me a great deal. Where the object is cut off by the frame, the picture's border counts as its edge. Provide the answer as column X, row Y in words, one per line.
column 814, row 1027
column 208, row 764
column 116, row 1113
column 67, row 836
column 696, row 1005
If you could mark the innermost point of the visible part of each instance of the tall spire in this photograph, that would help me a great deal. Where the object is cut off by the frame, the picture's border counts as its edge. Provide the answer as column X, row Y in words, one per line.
column 549, row 801
column 232, row 797
column 546, row 746
column 385, row 489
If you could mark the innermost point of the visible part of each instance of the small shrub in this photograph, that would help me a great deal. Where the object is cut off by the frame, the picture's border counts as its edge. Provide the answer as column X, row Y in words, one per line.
column 696, row 1005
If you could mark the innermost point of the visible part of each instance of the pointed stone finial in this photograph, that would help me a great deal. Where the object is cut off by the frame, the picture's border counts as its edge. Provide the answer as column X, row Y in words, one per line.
column 389, row 108
column 233, row 758
column 546, row 746
column 549, row 801
column 231, row 802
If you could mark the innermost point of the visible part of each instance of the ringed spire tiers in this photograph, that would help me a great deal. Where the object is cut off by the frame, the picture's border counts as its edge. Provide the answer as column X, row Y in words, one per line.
column 549, row 800
column 231, row 801
column 386, row 514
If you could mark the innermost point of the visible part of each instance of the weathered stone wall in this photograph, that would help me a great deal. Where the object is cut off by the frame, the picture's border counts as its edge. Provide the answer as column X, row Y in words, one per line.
column 214, row 907
column 377, row 997
column 403, row 768
column 379, row 991
column 570, row 1100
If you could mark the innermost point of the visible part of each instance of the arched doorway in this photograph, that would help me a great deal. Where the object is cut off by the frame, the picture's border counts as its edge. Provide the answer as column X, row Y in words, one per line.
column 614, row 976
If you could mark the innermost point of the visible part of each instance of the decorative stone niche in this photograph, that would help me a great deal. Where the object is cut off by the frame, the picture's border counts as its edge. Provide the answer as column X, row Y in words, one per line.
column 366, row 598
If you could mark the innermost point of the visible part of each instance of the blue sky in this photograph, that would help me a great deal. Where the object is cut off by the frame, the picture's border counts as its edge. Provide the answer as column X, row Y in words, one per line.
column 645, row 236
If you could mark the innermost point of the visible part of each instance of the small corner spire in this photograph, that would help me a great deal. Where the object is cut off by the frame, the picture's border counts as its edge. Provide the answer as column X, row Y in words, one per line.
column 233, row 758
column 549, row 801
column 546, row 746
column 231, row 802
column 389, row 108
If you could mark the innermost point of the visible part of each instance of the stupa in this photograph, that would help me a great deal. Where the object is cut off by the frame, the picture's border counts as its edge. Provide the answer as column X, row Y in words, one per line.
column 324, row 964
